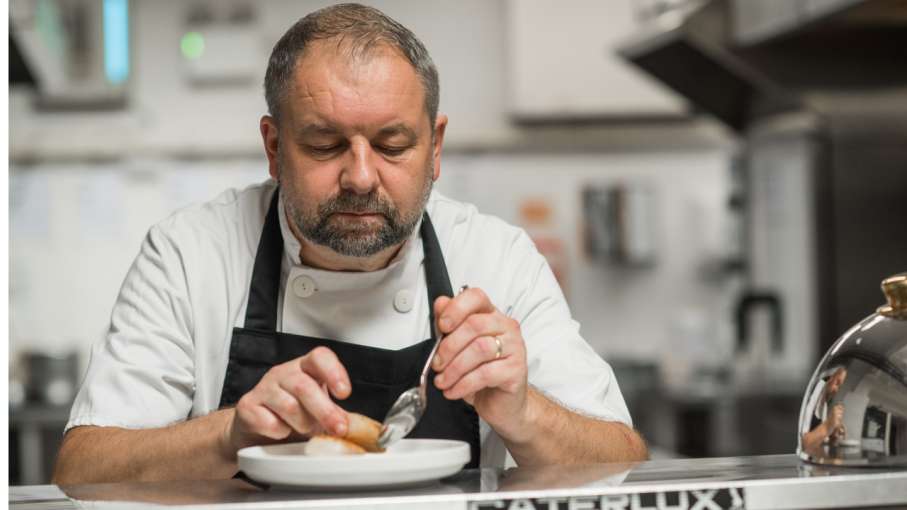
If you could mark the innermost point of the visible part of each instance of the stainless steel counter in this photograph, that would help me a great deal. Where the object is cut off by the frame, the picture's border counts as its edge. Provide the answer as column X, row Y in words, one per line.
column 777, row 481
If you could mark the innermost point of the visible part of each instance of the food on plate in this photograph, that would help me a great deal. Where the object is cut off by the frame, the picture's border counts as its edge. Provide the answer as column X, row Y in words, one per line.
column 364, row 431
column 329, row 445
column 361, row 437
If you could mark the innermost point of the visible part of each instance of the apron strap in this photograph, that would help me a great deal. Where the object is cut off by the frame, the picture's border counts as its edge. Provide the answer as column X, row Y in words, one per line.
column 261, row 311
column 436, row 277
column 438, row 283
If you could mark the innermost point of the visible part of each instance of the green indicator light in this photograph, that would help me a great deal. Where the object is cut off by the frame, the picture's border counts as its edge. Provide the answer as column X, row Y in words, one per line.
column 192, row 45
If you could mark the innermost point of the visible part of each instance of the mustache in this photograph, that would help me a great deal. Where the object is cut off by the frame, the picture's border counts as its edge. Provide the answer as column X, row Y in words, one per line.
column 346, row 202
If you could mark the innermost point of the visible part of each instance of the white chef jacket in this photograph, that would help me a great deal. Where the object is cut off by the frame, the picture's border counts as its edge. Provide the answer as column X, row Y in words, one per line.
column 164, row 357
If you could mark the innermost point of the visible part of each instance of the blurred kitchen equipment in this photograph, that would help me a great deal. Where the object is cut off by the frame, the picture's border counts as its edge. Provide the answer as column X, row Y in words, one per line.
column 854, row 412
column 220, row 44
column 646, row 11
column 42, row 387
column 538, row 219
column 76, row 52
column 822, row 153
column 750, row 300
column 759, row 353
column 16, row 393
column 739, row 59
column 814, row 91
column 50, row 378
column 620, row 223
column 824, row 213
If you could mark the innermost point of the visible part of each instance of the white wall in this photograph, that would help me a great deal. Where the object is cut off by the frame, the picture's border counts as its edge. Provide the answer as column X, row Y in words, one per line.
column 74, row 230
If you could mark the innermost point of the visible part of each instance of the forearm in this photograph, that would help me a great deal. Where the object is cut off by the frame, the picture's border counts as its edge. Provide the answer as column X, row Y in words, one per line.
column 195, row 449
column 555, row 435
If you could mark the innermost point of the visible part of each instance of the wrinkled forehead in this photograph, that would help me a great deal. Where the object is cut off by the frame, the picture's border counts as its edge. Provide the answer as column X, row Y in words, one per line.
column 354, row 55
column 334, row 81
column 352, row 48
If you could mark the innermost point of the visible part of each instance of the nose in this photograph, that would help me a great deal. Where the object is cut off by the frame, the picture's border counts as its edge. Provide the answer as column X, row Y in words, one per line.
column 360, row 175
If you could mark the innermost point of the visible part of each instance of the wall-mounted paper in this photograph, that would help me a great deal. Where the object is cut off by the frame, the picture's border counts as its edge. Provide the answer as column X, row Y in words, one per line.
column 29, row 203
column 101, row 204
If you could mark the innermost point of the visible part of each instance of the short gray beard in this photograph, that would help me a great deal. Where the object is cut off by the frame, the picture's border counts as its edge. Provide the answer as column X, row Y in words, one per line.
column 353, row 242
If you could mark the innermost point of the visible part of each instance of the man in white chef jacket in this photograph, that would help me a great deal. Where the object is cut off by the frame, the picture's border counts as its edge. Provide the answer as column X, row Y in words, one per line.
column 269, row 313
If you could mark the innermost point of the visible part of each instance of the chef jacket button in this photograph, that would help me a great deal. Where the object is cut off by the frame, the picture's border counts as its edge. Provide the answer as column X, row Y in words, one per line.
column 403, row 301
column 304, row 286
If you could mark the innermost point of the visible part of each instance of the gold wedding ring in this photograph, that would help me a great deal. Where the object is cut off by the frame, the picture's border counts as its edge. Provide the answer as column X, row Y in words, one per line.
column 499, row 351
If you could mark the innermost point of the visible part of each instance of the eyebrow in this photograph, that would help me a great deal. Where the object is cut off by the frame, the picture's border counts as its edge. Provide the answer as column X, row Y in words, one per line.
column 317, row 129
column 399, row 128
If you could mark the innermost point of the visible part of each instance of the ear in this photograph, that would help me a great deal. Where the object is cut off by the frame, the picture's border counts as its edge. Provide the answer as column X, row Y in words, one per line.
column 269, row 136
column 437, row 143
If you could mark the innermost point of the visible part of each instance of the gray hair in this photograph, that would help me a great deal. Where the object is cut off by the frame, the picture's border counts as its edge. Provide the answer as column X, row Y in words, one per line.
column 359, row 29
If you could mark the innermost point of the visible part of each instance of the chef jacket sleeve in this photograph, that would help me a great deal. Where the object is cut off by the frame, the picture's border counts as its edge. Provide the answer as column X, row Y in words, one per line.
column 561, row 363
column 141, row 374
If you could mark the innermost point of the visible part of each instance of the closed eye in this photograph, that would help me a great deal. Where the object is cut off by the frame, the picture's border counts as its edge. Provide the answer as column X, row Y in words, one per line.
column 324, row 150
column 392, row 151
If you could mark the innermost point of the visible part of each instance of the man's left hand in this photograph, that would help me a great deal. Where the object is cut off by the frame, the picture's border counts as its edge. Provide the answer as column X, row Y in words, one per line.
column 482, row 359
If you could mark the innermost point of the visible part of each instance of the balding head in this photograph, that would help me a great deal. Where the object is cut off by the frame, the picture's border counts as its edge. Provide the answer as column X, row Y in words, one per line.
column 357, row 32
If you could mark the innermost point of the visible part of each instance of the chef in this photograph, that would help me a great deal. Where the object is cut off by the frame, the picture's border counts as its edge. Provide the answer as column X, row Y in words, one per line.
column 827, row 421
column 271, row 312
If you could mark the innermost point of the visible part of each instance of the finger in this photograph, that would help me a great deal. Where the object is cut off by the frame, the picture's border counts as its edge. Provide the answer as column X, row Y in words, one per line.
column 283, row 405
column 456, row 341
column 323, row 365
column 471, row 301
column 440, row 304
column 314, row 408
column 260, row 420
column 488, row 375
column 482, row 349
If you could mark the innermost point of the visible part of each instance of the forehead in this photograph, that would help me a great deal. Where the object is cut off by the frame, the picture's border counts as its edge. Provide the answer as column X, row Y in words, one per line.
column 355, row 89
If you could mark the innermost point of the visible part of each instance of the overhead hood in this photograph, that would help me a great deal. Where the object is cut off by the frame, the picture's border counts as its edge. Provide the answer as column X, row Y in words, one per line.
column 739, row 60
column 75, row 53
column 19, row 71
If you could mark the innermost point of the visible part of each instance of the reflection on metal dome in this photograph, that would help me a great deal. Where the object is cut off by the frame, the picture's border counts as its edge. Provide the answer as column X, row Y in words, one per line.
column 854, row 412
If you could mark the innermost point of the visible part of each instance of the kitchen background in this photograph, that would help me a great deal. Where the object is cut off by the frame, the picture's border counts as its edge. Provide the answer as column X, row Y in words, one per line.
column 716, row 211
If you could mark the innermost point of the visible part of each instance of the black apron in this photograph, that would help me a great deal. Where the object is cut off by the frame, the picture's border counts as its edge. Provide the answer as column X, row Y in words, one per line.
column 378, row 376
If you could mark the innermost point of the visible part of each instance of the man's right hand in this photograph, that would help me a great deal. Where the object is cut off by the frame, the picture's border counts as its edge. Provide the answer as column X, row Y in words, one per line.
column 836, row 422
column 835, row 418
column 292, row 398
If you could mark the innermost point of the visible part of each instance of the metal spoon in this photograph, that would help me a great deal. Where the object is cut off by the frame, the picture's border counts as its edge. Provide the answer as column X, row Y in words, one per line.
column 406, row 412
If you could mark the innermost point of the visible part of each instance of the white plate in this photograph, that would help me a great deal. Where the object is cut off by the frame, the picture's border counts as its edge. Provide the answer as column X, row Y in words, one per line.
column 407, row 461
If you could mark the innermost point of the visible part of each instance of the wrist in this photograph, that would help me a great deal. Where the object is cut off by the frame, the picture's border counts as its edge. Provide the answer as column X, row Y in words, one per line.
column 524, row 428
column 226, row 444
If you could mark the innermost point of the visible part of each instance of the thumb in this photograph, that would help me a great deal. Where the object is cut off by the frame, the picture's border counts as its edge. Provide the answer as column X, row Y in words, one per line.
column 440, row 304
